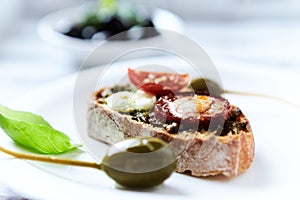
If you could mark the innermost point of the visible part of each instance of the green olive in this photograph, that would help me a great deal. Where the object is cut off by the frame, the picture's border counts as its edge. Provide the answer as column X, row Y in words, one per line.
column 139, row 162
column 206, row 86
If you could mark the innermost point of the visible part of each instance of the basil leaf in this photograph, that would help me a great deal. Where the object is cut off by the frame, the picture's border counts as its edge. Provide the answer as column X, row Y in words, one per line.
column 22, row 116
column 33, row 132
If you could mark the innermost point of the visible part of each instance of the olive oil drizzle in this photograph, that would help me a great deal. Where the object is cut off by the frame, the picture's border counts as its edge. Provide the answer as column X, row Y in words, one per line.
column 262, row 96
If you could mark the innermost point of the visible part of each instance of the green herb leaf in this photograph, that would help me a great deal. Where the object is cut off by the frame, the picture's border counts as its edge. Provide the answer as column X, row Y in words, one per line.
column 22, row 116
column 33, row 132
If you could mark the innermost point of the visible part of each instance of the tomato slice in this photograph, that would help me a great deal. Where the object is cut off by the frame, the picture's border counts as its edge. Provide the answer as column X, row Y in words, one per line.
column 158, row 83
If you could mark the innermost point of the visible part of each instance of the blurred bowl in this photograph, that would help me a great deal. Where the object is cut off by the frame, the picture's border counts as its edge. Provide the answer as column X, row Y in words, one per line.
column 49, row 29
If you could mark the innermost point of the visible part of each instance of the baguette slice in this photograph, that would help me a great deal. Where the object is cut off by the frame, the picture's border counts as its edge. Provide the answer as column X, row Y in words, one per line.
column 198, row 154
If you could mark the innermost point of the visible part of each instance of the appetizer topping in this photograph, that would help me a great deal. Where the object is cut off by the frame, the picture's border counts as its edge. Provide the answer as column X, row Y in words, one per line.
column 107, row 91
column 234, row 124
column 171, row 128
column 126, row 101
column 158, row 83
column 175, row 110
column 141, row 116
column 119, row 101
column 195, row 111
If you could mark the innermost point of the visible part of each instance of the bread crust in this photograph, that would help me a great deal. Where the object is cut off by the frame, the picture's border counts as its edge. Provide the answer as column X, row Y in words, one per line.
column 198, row 154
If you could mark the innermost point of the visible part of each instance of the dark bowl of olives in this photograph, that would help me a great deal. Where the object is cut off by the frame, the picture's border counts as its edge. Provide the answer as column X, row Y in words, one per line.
column 81, row 29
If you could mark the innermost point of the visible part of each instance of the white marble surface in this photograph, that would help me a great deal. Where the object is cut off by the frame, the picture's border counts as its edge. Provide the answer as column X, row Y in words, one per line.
column 26, row 62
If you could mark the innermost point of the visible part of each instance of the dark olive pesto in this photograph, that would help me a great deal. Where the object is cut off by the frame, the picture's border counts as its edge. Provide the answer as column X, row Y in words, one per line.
column 233, row 125
column 140, row 116
column 121, row 88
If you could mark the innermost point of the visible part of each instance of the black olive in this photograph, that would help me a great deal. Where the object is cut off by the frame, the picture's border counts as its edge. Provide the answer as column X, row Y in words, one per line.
column 87, row 32
column 111, row 28
column 115, row 26
column 101, row 35
column 74, row 31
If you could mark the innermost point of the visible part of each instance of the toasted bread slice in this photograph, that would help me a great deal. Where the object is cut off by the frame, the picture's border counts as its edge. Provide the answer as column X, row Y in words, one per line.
column 200, row 154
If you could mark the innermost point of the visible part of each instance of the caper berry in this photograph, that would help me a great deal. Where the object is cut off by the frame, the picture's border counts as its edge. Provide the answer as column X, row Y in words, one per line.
column 139, row 162
column 133, row 163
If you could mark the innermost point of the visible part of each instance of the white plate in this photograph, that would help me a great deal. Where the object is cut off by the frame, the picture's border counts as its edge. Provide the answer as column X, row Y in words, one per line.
column 272, row 175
